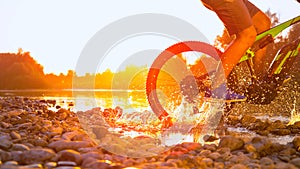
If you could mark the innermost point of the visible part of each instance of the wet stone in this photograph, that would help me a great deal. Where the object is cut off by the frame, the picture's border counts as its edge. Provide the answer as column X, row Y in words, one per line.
column 283, row 165
column 129, row 162
column 205, row 153
column 5, row 156
column 87, row 161
column 12, row 163
column 231, row 142
column 75, row 145
column 214, row 155
column 284, row 158
column 296, row 125
column 239, row 166
column 5, row 125
column 168, row 164
column 70, row 155
column 206, row 162
column 19, row 147
column 259, row 145
column 17, row 156
column 296, row 142
column 50, row 165
column 240, row 158
column 37, row 155
column 247, row 120
column 99, row 164
column 281, row 132
column 67, row 167
column 15, row 135
column 100, row 132
column 296, row 162
column 66, row 163
column 5, row 142
column 33, row 166
column 94, row 155
column 266, row 162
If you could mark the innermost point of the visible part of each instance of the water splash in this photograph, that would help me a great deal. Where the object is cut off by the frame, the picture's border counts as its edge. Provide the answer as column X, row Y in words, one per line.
column 295, row 115
column 210, row 120
column 193, row 123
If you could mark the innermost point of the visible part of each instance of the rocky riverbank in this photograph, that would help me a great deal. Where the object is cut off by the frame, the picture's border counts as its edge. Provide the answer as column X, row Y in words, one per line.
column 32, row 136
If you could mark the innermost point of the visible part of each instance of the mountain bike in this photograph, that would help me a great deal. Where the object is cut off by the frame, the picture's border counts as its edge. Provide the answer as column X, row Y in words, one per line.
column 170, row 69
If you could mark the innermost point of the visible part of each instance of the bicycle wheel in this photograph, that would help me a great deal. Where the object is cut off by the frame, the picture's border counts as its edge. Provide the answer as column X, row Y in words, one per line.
column 169, row 69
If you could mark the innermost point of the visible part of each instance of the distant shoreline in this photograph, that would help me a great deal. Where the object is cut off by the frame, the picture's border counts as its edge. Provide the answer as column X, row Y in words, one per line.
column 69, row 90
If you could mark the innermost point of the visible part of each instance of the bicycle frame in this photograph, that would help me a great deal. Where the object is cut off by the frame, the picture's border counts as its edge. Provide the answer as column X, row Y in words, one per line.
column 267, row 37
column 263, row 91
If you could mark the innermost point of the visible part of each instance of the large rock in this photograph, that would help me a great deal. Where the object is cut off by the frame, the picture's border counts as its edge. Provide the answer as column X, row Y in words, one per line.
column 103, row 164
column 266, row 162
column 5, row 142
column 75, row 136
column 234, row 143
column 5, row 156
column 37, row 155
column 100, row 131
column 296, row 142
column 19, row 147
column 239, row 166
column 247, row 120
column 15, row 135
column 260, row 146
column 70, row 155
column 74, row 145
column 296, row 162
column 95, row 155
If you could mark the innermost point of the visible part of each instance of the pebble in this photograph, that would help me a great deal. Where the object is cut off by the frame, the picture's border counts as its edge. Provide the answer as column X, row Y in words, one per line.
column 296, row 162
column 33, row 166
column 91, row 156
column 66, row 163
column 98, row 164
column 50, row 165
column 70, row 155
column 100, row 132
column 64, row 144
column 259, row 145
column 15, row 135
column 233, row 143
column 37, row 155
column 5, row 142
column 13, row 163
column 36, row 137
column 19, row 147
column 67, row 167
column 239, row 166
column 296, row 142
column 282, row 165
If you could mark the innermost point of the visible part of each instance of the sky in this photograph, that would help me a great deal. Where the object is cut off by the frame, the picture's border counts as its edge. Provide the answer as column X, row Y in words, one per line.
column 55, row 32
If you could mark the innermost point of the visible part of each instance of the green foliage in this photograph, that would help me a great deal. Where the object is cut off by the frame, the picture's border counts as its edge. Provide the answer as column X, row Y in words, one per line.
column 20, row 71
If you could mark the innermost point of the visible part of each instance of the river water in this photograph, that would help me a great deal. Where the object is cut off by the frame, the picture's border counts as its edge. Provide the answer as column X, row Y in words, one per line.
column 130, row 101
column 84, row 99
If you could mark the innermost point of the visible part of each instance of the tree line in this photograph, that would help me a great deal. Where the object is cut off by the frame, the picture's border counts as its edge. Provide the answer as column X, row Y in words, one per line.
column 21, row 71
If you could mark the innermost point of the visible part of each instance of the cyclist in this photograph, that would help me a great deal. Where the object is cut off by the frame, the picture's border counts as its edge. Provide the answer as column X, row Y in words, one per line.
column 244, row 20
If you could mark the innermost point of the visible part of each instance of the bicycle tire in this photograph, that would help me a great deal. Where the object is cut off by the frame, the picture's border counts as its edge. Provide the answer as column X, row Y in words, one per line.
column 162, row 58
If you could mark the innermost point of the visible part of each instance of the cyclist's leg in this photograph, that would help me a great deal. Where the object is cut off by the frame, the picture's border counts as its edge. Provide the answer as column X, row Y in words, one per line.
column 262, row 23
column 237, row 20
